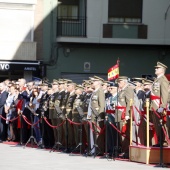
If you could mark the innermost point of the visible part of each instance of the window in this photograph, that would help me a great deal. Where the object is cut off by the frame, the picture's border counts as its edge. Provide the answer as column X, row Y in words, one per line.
column 68, row 9
column 68, row 12
column 125, row 11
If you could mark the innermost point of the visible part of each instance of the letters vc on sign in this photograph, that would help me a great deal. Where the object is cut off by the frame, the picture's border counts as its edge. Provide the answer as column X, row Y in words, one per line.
column 4, row 66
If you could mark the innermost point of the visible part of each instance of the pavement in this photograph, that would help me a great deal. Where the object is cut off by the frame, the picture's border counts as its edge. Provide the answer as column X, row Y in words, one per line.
column 14, row 157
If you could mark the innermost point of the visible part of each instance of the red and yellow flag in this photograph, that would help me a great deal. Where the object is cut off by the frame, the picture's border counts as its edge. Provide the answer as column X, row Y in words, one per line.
column 113, row 72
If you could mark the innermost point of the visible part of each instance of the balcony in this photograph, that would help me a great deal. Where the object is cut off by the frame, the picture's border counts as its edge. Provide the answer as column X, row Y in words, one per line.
column 71, row 27
column 130, row 31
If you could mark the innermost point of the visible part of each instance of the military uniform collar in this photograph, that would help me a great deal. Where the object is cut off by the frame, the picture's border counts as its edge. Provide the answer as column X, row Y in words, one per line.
column 124, row 87
column 97, row 89
column 61, row 90
column 71, row 93
column 160, row 76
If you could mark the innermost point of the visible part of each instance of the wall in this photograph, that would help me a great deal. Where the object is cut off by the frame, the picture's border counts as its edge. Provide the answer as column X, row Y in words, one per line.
column 17, row 30
column 134, row 61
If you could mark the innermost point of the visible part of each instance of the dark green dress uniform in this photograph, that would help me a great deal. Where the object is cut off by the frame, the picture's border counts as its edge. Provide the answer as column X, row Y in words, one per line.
column 47, row 136
column 85, row 105
column 76, row 117
column 68, row 110
column 52, row 111
column 58, row 118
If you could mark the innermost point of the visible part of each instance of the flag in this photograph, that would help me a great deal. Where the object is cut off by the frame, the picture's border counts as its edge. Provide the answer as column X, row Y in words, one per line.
column 113, row 72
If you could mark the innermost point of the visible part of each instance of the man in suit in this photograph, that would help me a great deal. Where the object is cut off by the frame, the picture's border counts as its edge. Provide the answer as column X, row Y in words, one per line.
column 25, row 92
column 3, row 125
column 125, row 94
column 159, row 100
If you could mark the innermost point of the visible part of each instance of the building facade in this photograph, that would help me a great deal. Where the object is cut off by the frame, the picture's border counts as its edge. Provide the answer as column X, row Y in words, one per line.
column 92, row 34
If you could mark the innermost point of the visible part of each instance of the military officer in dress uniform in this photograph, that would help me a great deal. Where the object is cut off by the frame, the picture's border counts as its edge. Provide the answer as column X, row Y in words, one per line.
column 76, row 116
column 147, row 85
column 105, row 85
column 125, row 94
column 52, row 110
column 111, row 103
column 139, row 96
column 87, row 95
column 59, row 117
column 68, row 129
column 139, row 88
column 47, row 132
column 159, row 100
column 168, row 110
column 97, row 103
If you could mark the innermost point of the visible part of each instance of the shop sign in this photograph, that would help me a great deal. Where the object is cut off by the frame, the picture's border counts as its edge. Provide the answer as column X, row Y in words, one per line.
column 30, row 68
column 4, row 66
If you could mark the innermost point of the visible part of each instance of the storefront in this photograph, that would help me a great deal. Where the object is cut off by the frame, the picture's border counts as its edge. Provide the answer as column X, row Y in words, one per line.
column 19, row 69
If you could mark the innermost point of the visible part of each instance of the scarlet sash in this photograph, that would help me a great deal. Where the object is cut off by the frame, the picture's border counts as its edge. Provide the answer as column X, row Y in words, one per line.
column 19, row 107
column 110, row 111
column 123, row 110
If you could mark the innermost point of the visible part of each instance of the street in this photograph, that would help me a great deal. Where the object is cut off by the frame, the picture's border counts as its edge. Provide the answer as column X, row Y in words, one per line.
column 17, row 158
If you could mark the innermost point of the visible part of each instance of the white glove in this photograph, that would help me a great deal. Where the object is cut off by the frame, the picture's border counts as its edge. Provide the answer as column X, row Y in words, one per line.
column 127, row 117
column 160, row 110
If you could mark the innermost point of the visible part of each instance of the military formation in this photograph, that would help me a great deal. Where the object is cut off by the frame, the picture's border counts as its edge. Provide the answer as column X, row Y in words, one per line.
column 91, row 118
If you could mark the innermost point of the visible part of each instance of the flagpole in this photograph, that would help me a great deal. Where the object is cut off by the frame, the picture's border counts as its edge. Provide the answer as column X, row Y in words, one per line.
column 113, row 74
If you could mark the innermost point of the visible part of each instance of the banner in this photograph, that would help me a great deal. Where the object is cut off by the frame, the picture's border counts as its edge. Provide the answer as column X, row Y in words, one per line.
column 113, row 72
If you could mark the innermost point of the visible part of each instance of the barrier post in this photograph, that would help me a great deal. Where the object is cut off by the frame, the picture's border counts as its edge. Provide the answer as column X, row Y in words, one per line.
column 131, row 117
column 147, row 131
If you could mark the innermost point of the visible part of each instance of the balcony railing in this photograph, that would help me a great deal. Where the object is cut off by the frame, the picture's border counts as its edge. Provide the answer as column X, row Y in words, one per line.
column 71, row 26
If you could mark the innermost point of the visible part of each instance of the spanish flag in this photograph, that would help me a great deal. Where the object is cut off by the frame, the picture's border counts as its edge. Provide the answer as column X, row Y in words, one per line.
column 113, row 72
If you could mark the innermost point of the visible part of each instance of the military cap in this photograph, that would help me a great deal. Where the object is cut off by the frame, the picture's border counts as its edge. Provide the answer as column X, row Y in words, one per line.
column 159, row 64
column 113, row 84
column 72, row 83
column 61, row 82
column 105, row 83
column 66, row 80
column 55, row 81
column 45, row 79
column 122, row 78
column 45, row 83
column 85, row 81
column 88, row 85
column 140, row 80
column 78, row 86
column 96, row 78
column 147, row 82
